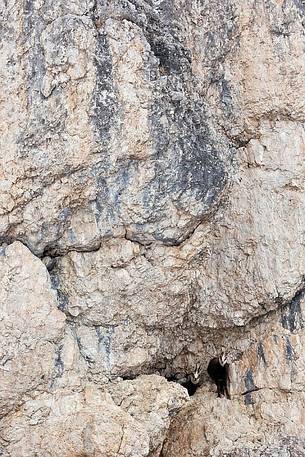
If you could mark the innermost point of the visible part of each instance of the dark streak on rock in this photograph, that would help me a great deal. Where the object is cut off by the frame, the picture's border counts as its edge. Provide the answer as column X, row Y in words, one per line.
column 289, row 352
column 59, row 364
column 187, row 162
column 105, row 100
column 250, row 387
column 225, row 95
column 261, row 353
column 33, row 26
column 292, row 318
column 62, row 298
column 87, row 357
column 63, row 301
column 104, row 336
column 190, row 173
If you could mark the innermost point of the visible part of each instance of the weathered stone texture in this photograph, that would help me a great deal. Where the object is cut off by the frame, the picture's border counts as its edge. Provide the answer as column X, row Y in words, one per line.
column 90, row 422
column 152, row 213
column 31, row 326
column 151, row 401
column 266, row 414
column 76, row 424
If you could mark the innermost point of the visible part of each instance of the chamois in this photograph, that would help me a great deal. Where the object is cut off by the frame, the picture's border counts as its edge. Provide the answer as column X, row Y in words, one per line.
column 190, row 381
column 218, row 370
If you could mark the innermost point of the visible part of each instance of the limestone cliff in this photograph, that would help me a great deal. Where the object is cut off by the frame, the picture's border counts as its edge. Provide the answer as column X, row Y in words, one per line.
column 152, row 215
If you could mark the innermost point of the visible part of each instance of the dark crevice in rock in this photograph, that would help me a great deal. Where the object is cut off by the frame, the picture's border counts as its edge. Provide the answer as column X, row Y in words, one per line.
column 250, row 386
column 58, row 365
column 129, row 237
column 85, row 355
column 289, row 351
column 179, row 378
column 292, row 318
column 255, row 389
column 239, row 141
column 130, row 377
column 53, row 252
column 5, row 242
column 261, row 353
column 186, row 382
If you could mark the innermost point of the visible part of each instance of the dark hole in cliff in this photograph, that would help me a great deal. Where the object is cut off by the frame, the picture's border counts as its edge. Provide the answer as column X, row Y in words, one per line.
column 128, row 377
column 185, row 382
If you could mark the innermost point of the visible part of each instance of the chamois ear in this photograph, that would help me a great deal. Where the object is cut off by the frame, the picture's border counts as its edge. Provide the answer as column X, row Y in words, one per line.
column 195, row 376
column 198, row 368
column 197, row 372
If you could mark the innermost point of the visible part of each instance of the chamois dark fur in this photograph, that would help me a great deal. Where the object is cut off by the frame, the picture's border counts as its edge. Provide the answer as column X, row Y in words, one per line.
column 191, row 381
column 218, row 370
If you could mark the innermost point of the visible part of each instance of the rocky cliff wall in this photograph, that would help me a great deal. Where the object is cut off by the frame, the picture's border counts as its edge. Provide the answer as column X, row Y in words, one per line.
column 152, row 215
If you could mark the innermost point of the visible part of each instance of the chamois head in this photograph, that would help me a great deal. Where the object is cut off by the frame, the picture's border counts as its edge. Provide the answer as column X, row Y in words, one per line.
column 195, row 376
column 223, row 359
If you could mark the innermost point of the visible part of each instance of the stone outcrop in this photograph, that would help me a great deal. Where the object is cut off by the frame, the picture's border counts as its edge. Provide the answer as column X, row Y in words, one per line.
column 130, row 421
column 151, row 401
column 265, row 415
column 76, row 424
column 152, row 210
column 31, row 327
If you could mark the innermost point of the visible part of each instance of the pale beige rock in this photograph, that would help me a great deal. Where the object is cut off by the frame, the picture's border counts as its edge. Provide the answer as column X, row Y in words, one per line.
column 219, row 427
column 119, row 292
column 70, row 366
column 153, row 402
column 31, row 326
column 45, row 118
column 130, row 53
column 276, row 360
column 220, row 278
column 74, row 424
column 254, row 68
column 253, row 261
column 130, row 421
column 153, row 154
column 266, row 413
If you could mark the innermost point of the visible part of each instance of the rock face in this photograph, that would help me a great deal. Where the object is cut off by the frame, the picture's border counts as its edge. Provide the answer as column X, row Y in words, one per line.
column 85, row 423
column 151, row 215
column 265, row 415
column 31, row 327
column 90, row 422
